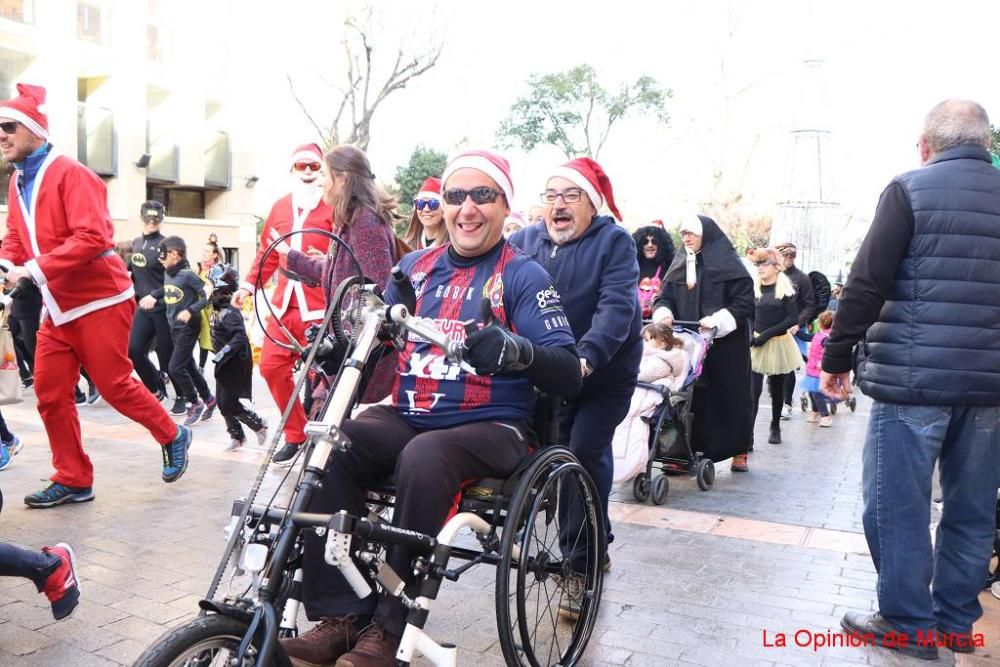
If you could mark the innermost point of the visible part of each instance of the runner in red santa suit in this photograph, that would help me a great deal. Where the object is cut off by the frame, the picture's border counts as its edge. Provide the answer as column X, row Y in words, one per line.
column 60, row 236
column 295, row 304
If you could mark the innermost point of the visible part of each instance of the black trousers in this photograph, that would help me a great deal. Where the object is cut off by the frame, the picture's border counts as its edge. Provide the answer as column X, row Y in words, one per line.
column 184, row 371
column 19, row 562
column 788, row 386
column 430, row 469
column 775, row 385
column 234, row 412
column 25, row 332
column 147, row 327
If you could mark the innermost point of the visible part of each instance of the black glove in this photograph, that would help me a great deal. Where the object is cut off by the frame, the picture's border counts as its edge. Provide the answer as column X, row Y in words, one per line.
column 757, row 341
column 494, row 349
column 221, row 354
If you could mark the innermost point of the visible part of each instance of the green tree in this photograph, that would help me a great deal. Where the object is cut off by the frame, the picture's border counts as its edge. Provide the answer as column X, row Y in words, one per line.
column 424, row 162
column 995, row 140
column 573, row 111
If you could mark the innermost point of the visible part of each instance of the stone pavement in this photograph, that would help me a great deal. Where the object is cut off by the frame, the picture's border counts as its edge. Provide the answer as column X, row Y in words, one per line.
column 699, row 580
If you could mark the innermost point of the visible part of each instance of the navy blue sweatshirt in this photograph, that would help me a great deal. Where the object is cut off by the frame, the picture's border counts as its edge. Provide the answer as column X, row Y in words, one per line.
column 596, row 275
column 182, row 290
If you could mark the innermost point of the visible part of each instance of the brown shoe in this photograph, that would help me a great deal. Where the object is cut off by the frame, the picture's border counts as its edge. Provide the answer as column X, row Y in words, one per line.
column 375, row 648
column 323, row 644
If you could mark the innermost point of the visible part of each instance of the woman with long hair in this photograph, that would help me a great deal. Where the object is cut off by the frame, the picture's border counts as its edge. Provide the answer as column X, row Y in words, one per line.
column 211, row 255
column 363, row 215
column 426, row 228
column 655, row 251
column 773, row 352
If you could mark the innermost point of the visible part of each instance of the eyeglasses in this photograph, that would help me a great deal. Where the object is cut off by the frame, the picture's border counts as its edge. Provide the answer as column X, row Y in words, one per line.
column 302, row 166
column 10, row 127
column 764, row 262
column 650, row 241
column 571, row 196
column 429, row 204
column 480, row 195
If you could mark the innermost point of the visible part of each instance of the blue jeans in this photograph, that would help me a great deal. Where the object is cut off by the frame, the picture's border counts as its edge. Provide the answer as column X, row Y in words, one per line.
column 920, row 588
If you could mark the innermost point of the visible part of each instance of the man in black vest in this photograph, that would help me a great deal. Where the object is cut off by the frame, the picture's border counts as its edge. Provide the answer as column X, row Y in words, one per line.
column 927, row 282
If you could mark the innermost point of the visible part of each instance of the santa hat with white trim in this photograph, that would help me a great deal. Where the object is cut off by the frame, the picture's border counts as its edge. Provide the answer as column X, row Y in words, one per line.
column 430, row 189
column 492, row 164
column 587, row 175
column 307, row 153
column 28, row 109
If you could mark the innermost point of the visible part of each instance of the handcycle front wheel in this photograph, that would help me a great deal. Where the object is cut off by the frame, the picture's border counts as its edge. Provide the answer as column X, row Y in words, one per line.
column 551, row 575
column 207, row 641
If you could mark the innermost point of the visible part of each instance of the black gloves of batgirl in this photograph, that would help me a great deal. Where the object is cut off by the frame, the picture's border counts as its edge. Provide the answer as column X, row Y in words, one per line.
column 494, row 349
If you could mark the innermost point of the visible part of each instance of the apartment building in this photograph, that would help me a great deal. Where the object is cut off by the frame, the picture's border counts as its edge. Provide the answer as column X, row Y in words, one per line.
column 139, row 91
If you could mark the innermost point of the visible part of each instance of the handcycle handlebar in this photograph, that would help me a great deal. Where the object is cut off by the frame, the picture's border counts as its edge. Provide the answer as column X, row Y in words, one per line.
column 402, row 316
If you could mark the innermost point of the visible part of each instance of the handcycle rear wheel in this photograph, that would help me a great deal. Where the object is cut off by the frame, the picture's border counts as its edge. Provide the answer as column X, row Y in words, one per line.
column 535, row 581
column 207, row 641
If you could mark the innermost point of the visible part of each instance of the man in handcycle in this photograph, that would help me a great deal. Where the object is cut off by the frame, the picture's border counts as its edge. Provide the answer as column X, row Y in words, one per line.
column 446, row 426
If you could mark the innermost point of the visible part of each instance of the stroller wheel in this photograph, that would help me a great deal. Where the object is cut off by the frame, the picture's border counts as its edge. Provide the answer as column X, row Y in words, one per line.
column 833, row 408
column 705, row 474
column 661, row 486
column 804, row 402
column 852, row 403
column 641, row 487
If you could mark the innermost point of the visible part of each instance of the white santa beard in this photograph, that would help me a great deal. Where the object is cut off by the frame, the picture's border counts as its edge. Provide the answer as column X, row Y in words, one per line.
column 306, row 195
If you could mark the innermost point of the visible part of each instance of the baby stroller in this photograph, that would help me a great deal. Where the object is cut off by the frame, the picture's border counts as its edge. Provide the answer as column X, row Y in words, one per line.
column 993, row 578
column 670, row 426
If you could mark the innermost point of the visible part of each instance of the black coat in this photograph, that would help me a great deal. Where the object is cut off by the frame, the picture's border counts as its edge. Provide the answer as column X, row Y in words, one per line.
column 723, row 399
column 235, row 370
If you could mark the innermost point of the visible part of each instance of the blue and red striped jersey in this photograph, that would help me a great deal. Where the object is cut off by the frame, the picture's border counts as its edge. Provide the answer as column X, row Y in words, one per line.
column 432, row 392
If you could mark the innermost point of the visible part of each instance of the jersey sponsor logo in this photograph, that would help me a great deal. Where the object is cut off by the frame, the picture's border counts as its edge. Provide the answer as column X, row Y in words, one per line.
column 138, row 259
column 418, row 280
column 426, row 403
column 172, row 294
column 453, row 292
column 548, row 298
column 557, row 322
column 454, row 329
column 433, row 366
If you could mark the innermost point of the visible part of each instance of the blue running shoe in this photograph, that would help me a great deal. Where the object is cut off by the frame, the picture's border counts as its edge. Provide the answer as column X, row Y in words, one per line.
column 6, row 457
column 57, row 494
column 175, row 455
column 14, row 445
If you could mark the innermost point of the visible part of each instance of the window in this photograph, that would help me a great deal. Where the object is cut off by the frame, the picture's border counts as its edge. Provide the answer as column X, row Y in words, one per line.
column 16, row 10
column 231, row 256
column 180, row 203
column 92, row 22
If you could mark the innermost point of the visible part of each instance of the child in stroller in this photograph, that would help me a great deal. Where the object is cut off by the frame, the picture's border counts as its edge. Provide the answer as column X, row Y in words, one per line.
column 669, row 440
column 664, row 365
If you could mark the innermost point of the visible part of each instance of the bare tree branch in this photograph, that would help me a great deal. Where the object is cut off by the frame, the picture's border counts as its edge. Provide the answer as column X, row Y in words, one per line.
column 302, row 106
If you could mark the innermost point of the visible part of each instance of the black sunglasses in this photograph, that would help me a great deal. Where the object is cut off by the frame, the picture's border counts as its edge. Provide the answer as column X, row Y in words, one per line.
column 10, row 127
column 480, row 195
column 429, row 204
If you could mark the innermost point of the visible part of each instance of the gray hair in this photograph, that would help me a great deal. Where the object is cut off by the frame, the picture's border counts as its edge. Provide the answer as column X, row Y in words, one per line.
column 956, row 123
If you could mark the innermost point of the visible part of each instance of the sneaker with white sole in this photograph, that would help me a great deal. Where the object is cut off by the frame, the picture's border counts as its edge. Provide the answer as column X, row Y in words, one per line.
column 286, row 455
column 786, row 412
column 262, row 434
column 209, row 408
column 61, row 586
column 194, row 413
column 180, row 407
column 234, row 444
column 826, row 422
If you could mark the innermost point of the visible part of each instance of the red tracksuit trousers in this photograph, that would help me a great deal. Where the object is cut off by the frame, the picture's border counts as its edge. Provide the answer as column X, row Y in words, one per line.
column 98, row 341
column 276, row 367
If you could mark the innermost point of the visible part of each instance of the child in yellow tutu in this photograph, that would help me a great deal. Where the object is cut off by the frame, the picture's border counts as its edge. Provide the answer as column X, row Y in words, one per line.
column 773, row 352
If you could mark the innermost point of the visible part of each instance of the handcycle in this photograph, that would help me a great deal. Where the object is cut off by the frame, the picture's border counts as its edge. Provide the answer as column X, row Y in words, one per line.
column 522, row 525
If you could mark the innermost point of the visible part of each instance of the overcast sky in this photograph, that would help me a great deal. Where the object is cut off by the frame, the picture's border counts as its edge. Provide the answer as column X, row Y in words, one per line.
column 735, row 69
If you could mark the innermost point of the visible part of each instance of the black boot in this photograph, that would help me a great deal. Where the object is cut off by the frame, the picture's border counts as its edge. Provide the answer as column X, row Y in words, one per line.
column 775, row 437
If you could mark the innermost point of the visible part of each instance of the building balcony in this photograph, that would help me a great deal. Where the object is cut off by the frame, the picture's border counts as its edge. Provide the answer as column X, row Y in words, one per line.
column 164, row 156
column 96, row 142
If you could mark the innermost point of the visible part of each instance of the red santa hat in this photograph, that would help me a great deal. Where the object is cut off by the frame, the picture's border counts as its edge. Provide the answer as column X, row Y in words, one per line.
column 28, row 109
column 430, row 189
column 307, row 153
column 587, row 175
column 492, row 164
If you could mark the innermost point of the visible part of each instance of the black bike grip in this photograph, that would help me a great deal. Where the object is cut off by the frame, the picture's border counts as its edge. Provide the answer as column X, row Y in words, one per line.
column 404, row 288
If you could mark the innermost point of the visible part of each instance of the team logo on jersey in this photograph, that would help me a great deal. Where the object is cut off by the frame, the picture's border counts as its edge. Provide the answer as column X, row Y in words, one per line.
column 548, row 298
column 172, row 294
column 138, row 259
column 418, row 280
column 493, row 290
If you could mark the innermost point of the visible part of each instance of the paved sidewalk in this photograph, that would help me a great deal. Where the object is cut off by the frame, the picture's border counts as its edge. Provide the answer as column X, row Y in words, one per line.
column 698, row 580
